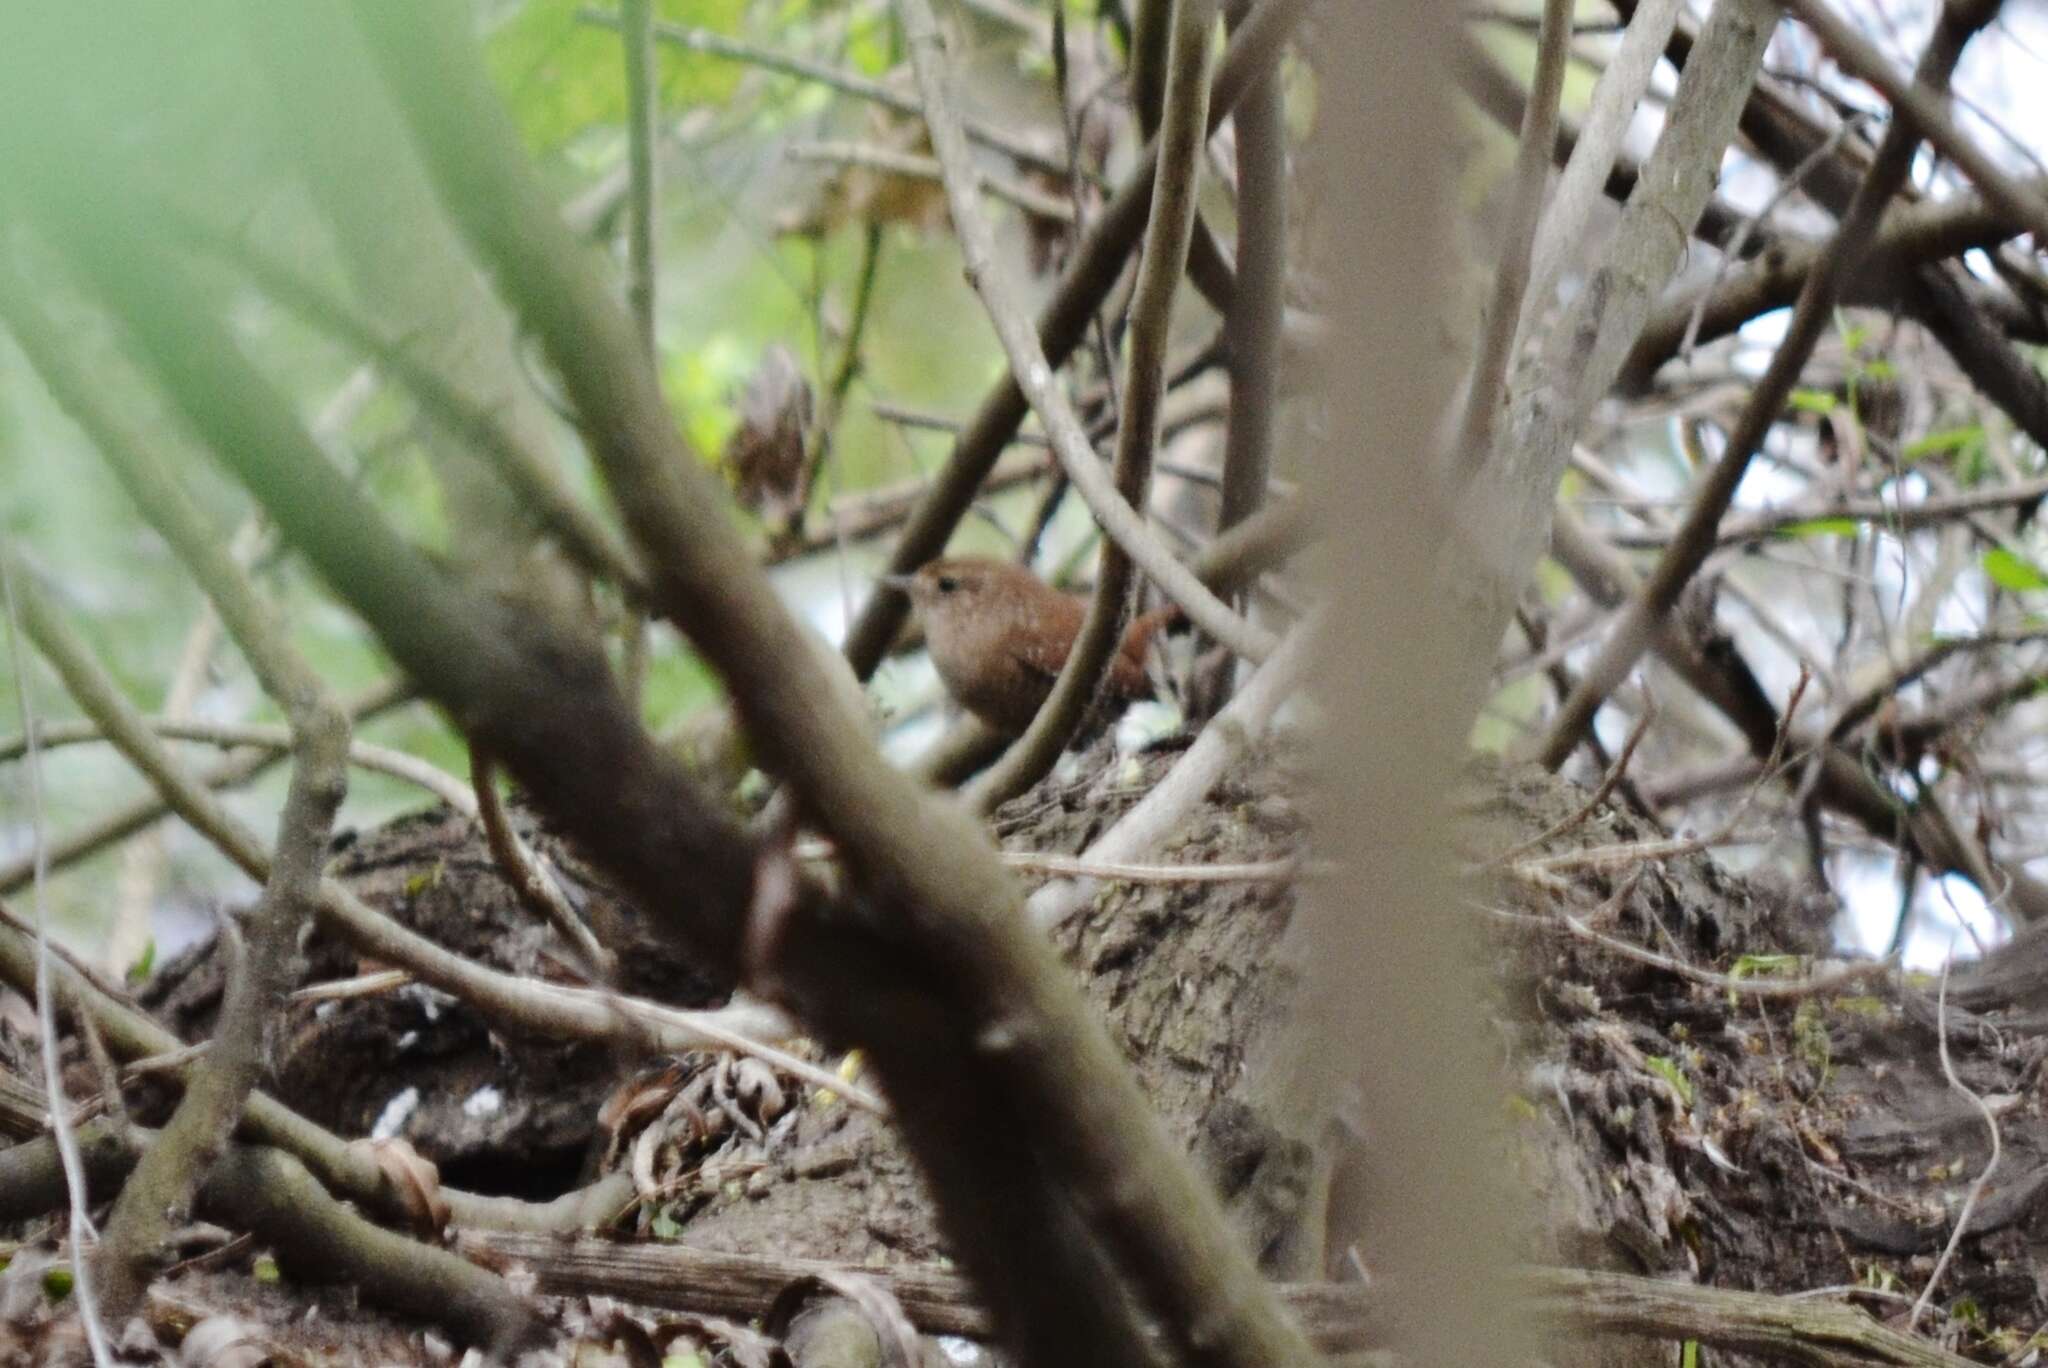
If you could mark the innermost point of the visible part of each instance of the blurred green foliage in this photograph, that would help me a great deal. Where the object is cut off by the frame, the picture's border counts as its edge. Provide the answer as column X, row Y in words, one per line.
column 731, row 283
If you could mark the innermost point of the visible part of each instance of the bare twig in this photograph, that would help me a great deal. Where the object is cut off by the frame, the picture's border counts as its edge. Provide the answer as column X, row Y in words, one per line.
column 1096, row 264
column 1033, row 371
column 1258, row 309
column 1283, row 870
column 1503, row 317
column 124, row 820
column 1613, row 777
column 1031, row 200
column 1920, row 98
column 59, row 1107
column 991, row 135
column 536, row 888
column 1962, row 1221
column 267, row 736
column 1774, row 989
column 1562, row 233
column 1223, row 743
column 1695, row 538
column 1159, row 273
column 1893, row 515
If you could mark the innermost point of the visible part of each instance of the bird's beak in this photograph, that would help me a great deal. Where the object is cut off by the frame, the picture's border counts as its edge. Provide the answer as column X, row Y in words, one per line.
column 900, row 583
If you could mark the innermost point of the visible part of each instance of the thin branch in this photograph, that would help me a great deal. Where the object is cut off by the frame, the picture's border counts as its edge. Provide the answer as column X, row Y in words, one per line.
column 1892, row 515
column 1252, row 331
column 1283, row 870
column 1151, row 37
column 119, row 823
column 1962, row 1221
column 268, row 736
column 643, row 110
column 871, row 512
column 1167, row 235
column 1695, row 538
column 1770, row 989
column 1561, row 236
column 1033, row 371
column 979, row 1034
column 1918, row 100
column 536, row 889
column 1092, row 272
column 1503, row 317
column 991, row 135
column 826, row 429
column 1161, row 812
column 77, row 1194
column 914, row 166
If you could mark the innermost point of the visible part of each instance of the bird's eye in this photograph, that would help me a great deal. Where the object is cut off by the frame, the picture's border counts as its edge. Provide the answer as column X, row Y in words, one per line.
column 947, row 584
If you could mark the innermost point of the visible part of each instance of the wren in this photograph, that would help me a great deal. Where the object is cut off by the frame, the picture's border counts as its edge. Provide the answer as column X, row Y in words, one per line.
column 999, row 635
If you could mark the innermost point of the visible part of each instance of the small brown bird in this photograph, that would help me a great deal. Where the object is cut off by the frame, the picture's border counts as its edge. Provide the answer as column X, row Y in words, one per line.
column 999, row 636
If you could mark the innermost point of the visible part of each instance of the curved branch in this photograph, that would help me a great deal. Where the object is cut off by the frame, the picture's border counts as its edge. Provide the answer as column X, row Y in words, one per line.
column 1034, row 373
column 119, row 823
column 1631, row 636
column 1151, row 314
column 1918, row 101
column 1097, row 262
column 1910, row 235
column 267, row 736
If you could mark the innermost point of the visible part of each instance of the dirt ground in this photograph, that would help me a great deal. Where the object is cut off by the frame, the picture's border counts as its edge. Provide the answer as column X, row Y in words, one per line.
column 1665, row 1124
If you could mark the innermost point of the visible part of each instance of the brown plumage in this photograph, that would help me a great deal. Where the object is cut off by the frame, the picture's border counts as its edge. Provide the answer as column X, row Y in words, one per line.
column 999, row 636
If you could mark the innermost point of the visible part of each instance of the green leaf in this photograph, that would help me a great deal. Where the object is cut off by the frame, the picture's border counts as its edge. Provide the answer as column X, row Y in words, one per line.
column 265, row 1269
column 561, row 76
column 1812, row 401
column 664, row 1225
column 2008, row 570
column 57, row 1282
column 1821, row 527
column 1761, row 966
column 139, row 971
column 1669, row 1071
column 1943, row 441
